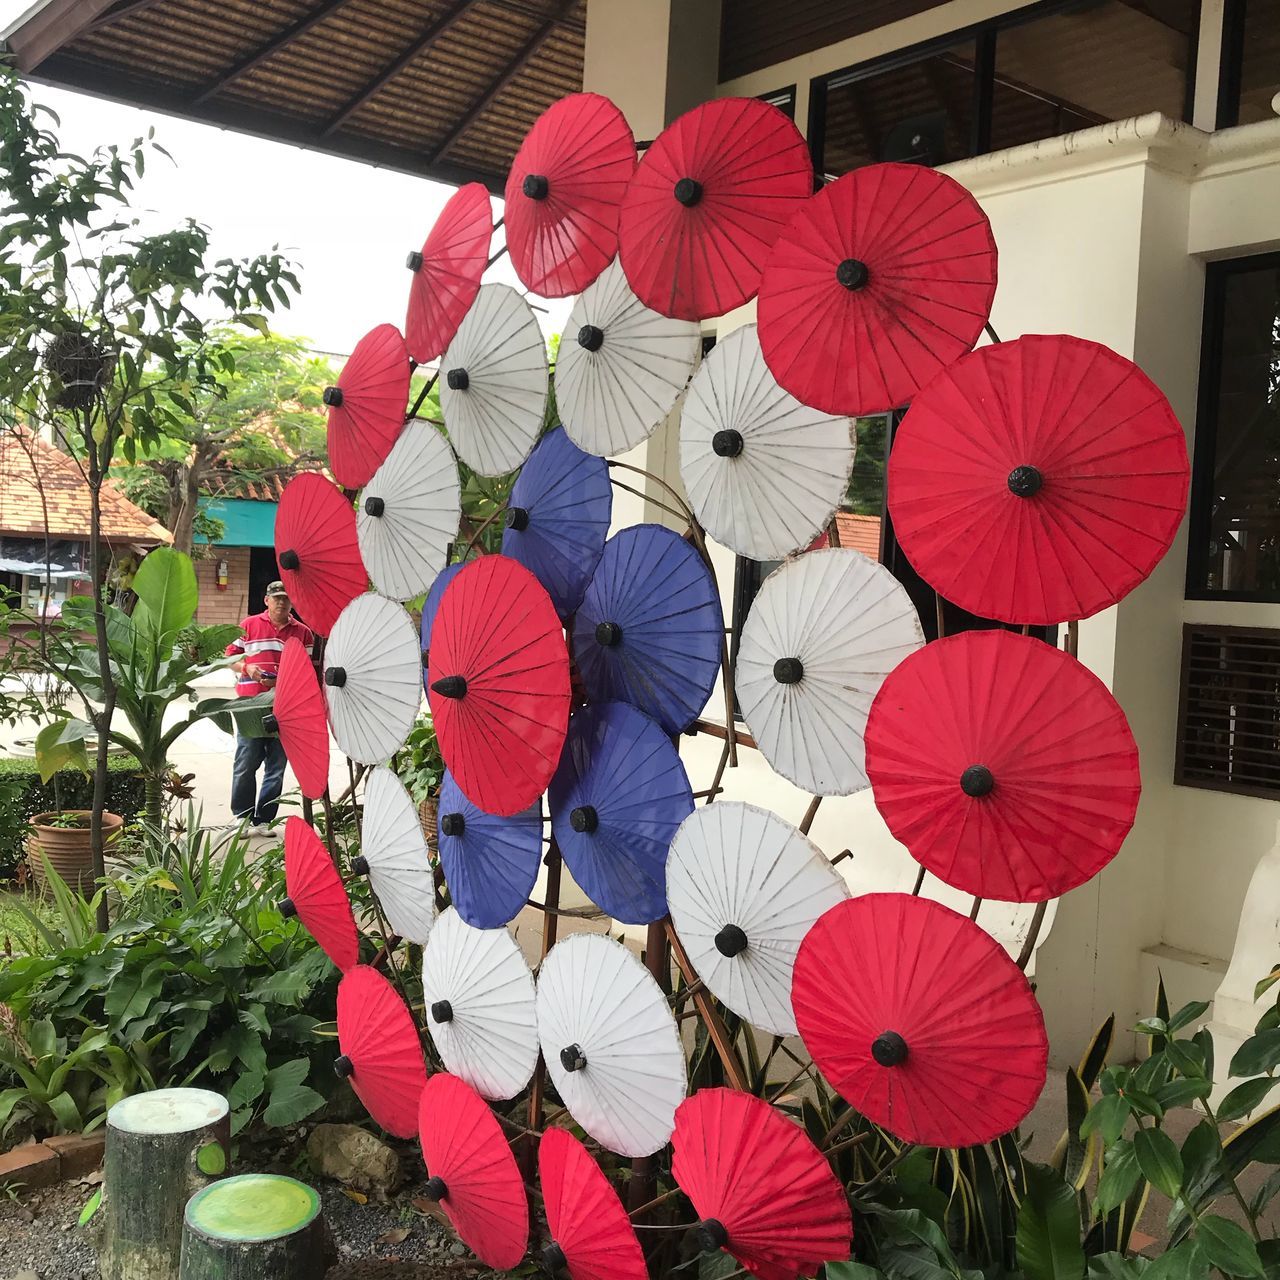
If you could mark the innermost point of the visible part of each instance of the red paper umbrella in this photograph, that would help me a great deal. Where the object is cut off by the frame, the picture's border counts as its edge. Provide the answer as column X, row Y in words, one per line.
column 1005, row 766
column 316, row 894
column 1038, row 481
column 879, row 281
column 367, row 407
column 298, row 715
column 446, row 274
column 591, row 1234
column 473, row 1174
column 381, row 1053
column 317, row 550
column 562, row 196
column 788, row 1214
column 499, row 684
column 706, row 204
column 919, row 1020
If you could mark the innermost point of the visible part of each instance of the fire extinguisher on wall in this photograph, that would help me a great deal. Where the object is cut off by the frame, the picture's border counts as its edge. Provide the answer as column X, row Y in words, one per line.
column 223, row 575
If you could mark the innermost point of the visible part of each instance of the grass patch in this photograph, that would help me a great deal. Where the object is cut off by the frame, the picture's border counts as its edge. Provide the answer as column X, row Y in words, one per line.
column 18, row 935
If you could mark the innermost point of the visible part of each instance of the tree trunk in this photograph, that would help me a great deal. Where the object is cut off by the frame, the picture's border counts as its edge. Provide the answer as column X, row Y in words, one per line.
column 255, row 1226
column 162, row 1148
column 153, row 802
column 187, row 503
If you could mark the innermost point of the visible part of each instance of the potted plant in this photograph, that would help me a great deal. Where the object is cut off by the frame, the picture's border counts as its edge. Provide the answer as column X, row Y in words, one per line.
column 420, row 766
column 63, row 836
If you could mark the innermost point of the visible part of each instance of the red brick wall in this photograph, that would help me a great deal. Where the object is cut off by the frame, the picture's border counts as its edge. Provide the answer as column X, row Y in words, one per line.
column 230, row 605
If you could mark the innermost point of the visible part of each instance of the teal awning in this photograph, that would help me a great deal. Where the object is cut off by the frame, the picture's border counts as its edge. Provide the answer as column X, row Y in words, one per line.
column 247, row 523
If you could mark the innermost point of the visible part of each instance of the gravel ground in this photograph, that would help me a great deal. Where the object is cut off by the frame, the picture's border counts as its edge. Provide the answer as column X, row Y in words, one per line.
column 377, row 1241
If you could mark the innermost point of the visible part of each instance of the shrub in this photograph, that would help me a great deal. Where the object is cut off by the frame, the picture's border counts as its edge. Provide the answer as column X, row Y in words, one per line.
column 23, row 794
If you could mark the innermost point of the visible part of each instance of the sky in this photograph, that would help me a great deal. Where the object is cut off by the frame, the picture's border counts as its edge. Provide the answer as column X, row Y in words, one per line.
column 347, row 225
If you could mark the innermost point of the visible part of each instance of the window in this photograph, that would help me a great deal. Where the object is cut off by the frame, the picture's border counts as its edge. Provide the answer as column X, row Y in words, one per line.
column 1229, row 710
column 1250, row 73
column 1039, row 72
column 783, row 99
column 1234, row 547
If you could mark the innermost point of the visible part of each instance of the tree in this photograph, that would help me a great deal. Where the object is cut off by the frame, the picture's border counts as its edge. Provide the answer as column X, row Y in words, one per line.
column 106, row 331
column 265, row 415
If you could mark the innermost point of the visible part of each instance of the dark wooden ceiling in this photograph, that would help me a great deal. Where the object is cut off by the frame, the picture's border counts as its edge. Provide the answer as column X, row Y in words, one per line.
column 442, row 88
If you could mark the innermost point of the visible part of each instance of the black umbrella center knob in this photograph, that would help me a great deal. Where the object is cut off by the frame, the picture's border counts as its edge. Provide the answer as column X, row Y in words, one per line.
column 271, row 725
column 591, row 337
column 458, row 379
column 788, row 671
column 553, row 1259
column 517, row 519
column 343, row 1067
column 286, row 908
column 332, row 397
column 731, row 941
column 977, row 781
column 453, row 824
column 375, row 506
column 335, row 677
column 442, row 1011
column 451, row 686
column 1026, row 481
column 289, row 560
column 727, row 443
column 436, row 1189
column 889, row 1049
column 535, row 186
column 853, row 274
column 688, row 192
column 572, row 1058
column 608, row 634
column 360, row 865
column 584, row 819
column 414, row 260
column 711, row 1235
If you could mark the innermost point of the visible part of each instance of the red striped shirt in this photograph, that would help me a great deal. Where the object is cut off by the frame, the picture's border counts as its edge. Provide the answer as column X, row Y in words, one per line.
column 262, row 644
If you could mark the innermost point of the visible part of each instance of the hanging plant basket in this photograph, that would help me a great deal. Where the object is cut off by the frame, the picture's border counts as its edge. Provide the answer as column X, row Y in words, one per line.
column 80, row 366
column 428, row 812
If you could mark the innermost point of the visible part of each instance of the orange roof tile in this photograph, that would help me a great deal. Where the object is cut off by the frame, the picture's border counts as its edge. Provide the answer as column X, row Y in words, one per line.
column 862, row 533
column 23, row 458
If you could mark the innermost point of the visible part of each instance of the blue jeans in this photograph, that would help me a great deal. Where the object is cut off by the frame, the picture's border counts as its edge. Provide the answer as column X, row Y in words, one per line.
column 253, row 754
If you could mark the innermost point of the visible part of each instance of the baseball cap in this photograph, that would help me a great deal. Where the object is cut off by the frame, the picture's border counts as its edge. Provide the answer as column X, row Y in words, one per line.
column 275, row 589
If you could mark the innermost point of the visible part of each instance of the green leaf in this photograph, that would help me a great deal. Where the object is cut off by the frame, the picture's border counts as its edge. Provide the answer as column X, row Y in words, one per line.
column 1186, row 1261
column 1257, row 1140
column 1115, row 1266
column 291, row 1104
column 1048, row 1239
column 1120, row 1175
column 1258, row 1054
column 90, row 1208
column 1246, row 1097
column 851, row 1271
column 1159, row 1160
column 1228, row 1246
column 1188, row 1014
column 165, row 585
column 1187, row 1056
column 1106, row 1118
column 60, row 745
column 246, row 1090
column 1182, row 1092
column 211, row 1159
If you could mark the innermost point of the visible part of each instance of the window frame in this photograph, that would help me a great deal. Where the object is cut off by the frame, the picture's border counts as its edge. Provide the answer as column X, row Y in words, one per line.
column 985, row 35
column 1204, row 449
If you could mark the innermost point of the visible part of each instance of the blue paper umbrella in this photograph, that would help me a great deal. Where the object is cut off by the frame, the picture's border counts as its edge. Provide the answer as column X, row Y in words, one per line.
column 616, row 800
column 649, row 630
column 431, row 604
column 490, row 863
column 558, row 517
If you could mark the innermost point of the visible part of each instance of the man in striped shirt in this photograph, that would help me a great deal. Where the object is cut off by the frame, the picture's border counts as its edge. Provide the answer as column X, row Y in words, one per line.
column 260, row 648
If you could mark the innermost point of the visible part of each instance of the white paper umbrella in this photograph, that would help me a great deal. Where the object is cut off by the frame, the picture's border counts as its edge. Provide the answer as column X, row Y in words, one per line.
column 493, row 382
column 763, row 472
column 372, row 678
column 744, row 887
column 481, row 1006
column 621, row 367
column 822, row 634
column 408, row 513
column 393, row 854
column 610, row 1043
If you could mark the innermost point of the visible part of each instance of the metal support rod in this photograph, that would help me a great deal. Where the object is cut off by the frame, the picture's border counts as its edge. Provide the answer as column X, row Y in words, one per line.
column 940, row 615
column 1033, row 932
column 550, row 927
column 973, row 913
column 716, row 1029
column 915, row 893
column 657, row 958
column 809, row 814
column 422, row 396
column 991, row 333
column 327, row 804
column 713, row 730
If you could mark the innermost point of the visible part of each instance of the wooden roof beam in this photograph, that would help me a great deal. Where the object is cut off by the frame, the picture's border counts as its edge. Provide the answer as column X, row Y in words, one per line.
column 508, row 74
column 268, row 50
column 121, row 11
column 45, row 27
column 420, row 46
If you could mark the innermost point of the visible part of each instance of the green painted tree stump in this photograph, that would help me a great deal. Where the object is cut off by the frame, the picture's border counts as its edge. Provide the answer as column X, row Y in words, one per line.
column 162, row 1147
column 254, row 1226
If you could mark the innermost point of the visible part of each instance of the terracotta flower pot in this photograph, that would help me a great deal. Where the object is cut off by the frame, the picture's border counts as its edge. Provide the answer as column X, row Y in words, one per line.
column 67, row 848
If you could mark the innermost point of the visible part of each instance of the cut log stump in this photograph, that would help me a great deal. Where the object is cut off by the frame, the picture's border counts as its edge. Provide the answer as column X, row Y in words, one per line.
column 252, row 1227
column 162, row 1147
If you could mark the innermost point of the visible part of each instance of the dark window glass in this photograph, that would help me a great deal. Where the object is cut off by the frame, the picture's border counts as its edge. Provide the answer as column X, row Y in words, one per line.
column 1260, row 61
column 1235, row 521
column 921, row 111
